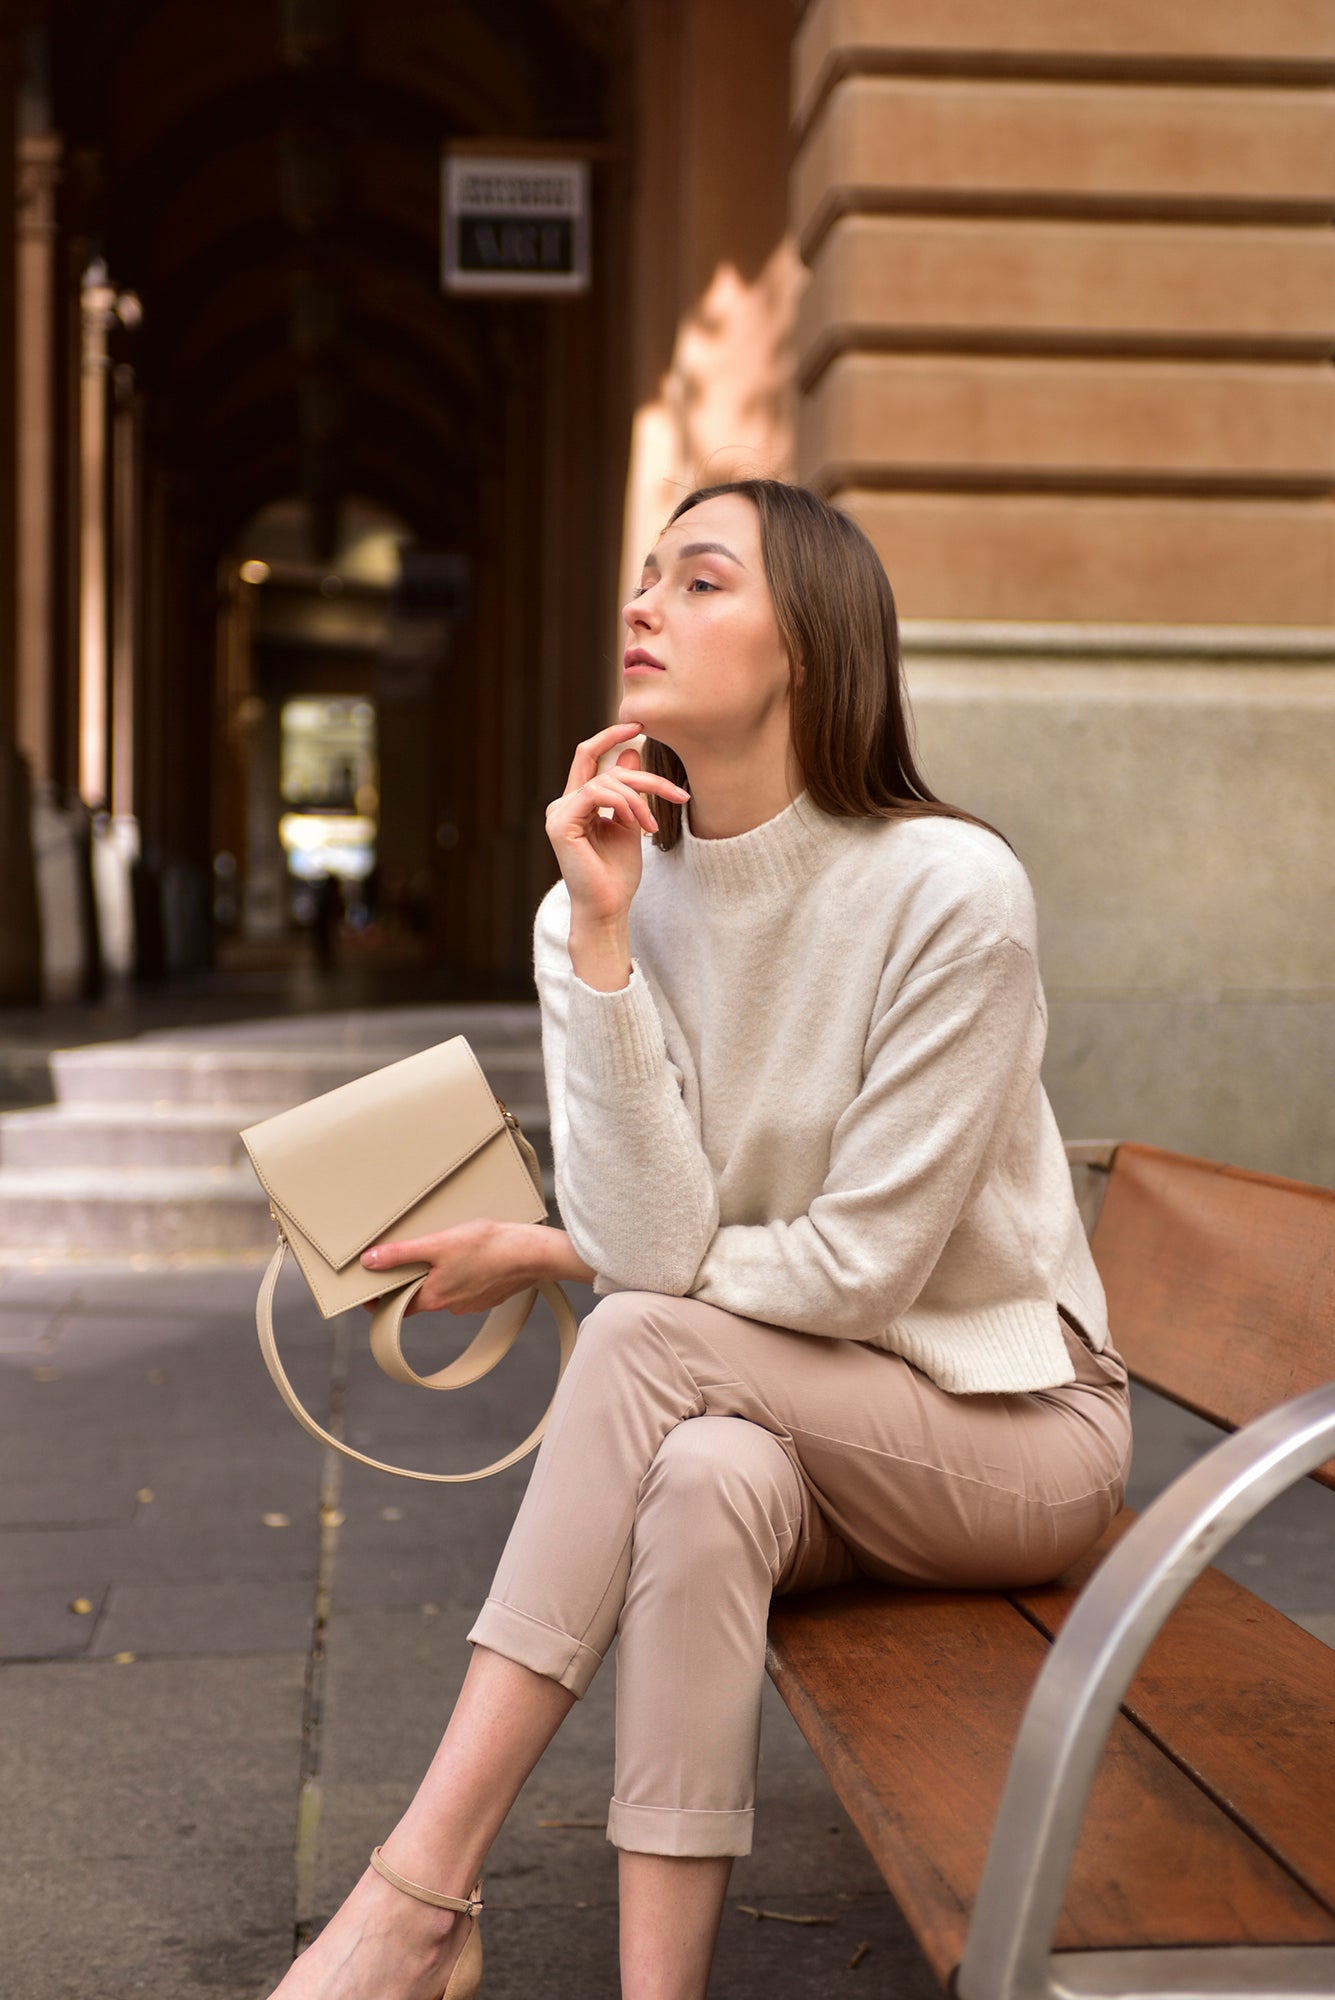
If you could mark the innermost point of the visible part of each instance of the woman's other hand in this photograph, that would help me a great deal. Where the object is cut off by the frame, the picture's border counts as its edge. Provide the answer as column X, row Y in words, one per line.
column 478, row 1265
column 596, row 828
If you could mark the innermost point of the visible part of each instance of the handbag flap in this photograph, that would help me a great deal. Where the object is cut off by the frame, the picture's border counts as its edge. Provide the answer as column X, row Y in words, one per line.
column 345, row 1166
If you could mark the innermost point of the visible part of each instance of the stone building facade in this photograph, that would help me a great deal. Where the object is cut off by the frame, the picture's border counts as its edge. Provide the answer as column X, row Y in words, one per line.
column 1042, row 294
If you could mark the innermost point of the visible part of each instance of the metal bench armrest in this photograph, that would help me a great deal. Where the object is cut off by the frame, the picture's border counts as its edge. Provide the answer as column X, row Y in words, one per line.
column 1008, row 1955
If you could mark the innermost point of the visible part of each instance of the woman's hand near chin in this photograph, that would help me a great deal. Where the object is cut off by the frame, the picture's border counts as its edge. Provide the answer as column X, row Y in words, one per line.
column 596, row 828
column 478, row 1265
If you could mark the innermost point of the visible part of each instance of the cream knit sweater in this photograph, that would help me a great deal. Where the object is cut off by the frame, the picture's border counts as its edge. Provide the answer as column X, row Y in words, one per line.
column 817, row 1102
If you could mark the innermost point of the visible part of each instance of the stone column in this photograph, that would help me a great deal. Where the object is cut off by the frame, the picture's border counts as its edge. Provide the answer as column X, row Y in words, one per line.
column 125, row 606
column 20, row 943
column 94, row 577
column 39, row 155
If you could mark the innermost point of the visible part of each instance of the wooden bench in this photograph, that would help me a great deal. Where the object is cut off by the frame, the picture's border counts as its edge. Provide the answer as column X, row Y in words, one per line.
column 1167, row 1830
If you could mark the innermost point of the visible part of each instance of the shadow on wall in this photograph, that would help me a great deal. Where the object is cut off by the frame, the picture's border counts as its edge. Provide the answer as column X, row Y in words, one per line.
column 726, row 408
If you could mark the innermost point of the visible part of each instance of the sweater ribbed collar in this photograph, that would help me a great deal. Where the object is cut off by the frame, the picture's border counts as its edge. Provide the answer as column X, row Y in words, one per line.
column 779, row 855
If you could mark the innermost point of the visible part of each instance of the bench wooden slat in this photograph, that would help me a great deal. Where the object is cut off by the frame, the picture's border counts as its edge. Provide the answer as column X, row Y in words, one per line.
column 1221, row 1283
column 1244, row 1699
column 912, row 1701
column 1210, row 1820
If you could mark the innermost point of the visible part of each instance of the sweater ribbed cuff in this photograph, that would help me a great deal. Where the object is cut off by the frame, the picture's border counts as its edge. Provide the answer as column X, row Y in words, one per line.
column 614, row 1038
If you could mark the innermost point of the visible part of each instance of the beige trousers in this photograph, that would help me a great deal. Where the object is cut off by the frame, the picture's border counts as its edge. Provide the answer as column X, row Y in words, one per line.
column 696, row 1462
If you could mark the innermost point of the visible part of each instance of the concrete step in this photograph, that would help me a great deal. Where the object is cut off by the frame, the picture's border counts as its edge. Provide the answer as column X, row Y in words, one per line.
column 133, row 1211
column 136, row 1211
column 140, row 1156
column 164, row 1135
column 254, row 1080
column 122, row 1135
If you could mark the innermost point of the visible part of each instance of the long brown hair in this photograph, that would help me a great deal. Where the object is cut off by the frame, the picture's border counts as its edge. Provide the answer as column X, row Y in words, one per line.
column 848, row 717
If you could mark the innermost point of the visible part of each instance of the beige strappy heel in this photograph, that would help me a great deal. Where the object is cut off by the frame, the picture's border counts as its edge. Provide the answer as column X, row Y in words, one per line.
column 467, row 1974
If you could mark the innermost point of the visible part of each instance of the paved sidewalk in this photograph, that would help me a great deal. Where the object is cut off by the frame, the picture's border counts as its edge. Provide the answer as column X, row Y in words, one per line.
column 222, row 1677
column 222, row 1680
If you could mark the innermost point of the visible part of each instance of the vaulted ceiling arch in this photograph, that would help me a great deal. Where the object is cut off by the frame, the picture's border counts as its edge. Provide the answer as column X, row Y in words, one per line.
column 436, row 510
column 270, row 186
column 234, row 320
column 248, row 363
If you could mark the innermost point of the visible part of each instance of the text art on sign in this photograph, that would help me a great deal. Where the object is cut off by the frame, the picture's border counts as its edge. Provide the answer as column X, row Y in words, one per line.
column 515, row 225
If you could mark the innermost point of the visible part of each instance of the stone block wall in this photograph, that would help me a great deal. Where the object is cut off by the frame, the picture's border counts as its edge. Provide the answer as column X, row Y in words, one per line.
column 1066, row 352
column 1169, row 791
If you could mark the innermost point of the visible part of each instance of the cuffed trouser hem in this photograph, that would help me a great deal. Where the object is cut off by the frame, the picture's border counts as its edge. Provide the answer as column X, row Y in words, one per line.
column 679, row 1830
column 541, row 1648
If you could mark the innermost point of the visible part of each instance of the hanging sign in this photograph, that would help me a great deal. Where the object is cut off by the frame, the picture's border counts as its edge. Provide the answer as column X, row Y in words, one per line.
column 515, row 225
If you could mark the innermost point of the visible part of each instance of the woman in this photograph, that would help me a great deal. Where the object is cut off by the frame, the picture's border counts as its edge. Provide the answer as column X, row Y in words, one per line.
column 792, row 1026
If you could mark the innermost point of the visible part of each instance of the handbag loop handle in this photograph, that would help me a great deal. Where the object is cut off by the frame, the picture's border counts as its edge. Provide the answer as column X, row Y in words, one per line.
column 493, row 1340
column 490, row 1344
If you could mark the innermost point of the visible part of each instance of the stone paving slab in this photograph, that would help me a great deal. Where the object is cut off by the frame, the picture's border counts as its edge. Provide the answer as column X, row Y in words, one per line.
column 108, row 1379
column 220, row 1552
column 148, row 1815
column 210, row 1619
column 40, row 1621
column 141, row 1456
column 186, row 1470
column 195, row 1481
column 73, row 1500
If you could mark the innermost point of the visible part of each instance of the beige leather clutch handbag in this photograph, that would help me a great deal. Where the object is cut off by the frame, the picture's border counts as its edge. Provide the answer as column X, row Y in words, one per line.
column 410, row 1149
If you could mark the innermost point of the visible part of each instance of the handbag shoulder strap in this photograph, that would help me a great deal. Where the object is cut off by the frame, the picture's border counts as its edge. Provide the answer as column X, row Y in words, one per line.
column 494, row 1339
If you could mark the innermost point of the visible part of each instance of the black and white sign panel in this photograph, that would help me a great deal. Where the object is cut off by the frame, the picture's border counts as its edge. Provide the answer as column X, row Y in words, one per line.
column 515, row 225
